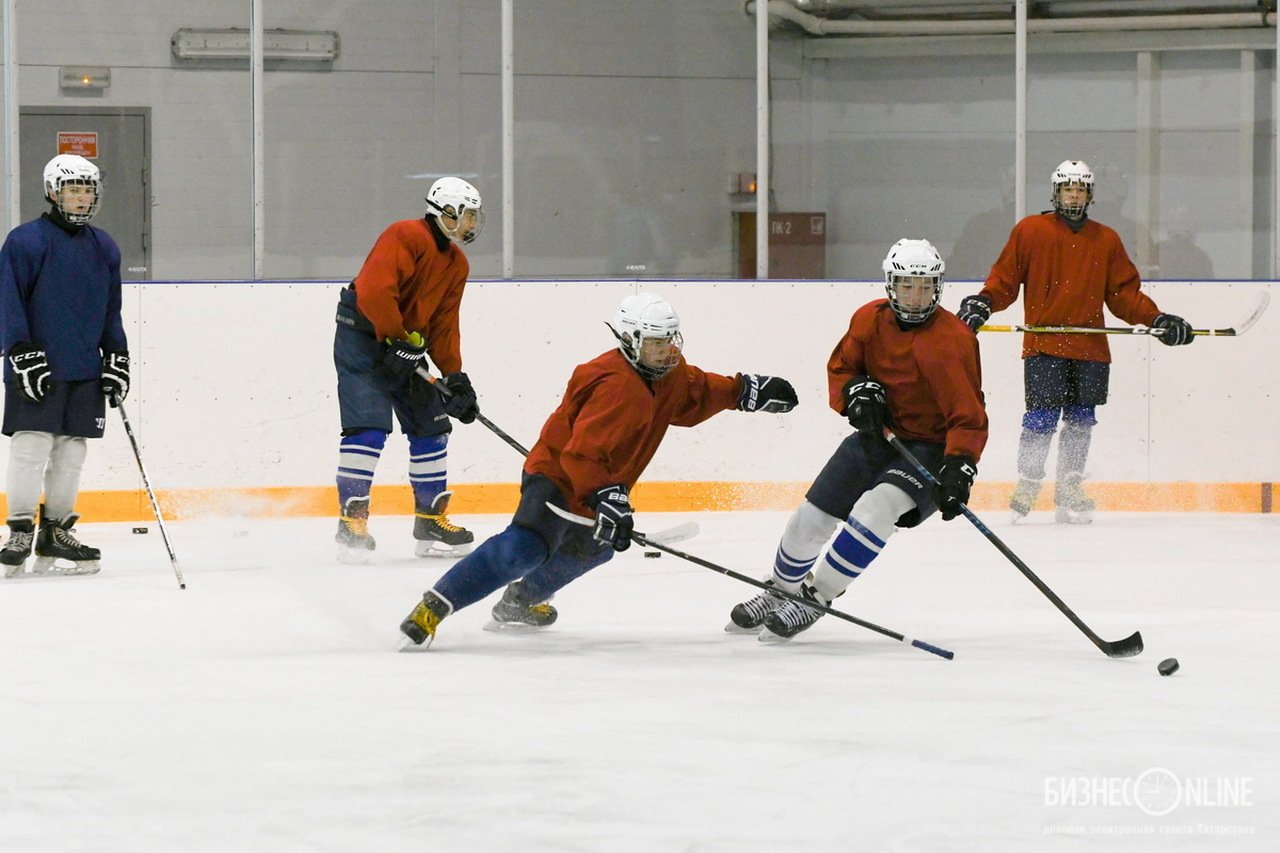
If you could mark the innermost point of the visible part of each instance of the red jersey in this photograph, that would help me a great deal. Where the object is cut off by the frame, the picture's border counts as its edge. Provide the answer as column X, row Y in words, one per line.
column 1066, row 278
column 931, row 373
column 611, row 421
column 408, row 285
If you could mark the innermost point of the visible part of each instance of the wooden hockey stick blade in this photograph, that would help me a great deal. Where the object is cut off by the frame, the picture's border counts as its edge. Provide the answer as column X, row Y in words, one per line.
column 641, row 539
column 1230, row 332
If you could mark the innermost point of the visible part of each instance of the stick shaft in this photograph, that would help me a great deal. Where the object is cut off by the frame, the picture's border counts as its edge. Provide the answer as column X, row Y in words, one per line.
column 151, row 495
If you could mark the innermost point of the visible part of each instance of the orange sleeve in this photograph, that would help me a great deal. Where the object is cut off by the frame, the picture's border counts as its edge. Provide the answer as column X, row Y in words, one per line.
column 706, row 394
column 1124, row 296
column 390, row 262
column 849, row 359
column 604, row 433
column 444, row 340
column 953, row 371
column 1008, row 272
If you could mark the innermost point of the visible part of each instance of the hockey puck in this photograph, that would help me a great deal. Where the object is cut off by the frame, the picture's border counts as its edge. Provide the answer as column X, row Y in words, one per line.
column 1168, row 666
column 139, row 530
column 653, row 554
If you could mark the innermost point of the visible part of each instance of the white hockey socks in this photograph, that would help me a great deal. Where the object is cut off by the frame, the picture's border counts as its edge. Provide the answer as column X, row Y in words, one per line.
column 28, row 456
column 861, row 538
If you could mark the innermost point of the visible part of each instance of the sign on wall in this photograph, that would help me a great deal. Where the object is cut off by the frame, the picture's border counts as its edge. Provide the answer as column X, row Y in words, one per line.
column 84, row 143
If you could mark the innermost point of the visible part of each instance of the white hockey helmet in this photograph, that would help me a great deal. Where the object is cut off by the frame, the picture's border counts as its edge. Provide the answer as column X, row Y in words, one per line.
column 72, row 169
column 648, row 333
column 456, row 207
column 1068, row 174
column 913, row 276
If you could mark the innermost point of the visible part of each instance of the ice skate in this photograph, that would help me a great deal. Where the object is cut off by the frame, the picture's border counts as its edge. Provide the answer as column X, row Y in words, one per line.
column 420, row 625
column 1072, row 505
column 58, row 552
column 355, row 544
column 748, row 617
column 792, row 617
column 514, row 611
column 437, row 536
column 1023, row 499
column 22, row 534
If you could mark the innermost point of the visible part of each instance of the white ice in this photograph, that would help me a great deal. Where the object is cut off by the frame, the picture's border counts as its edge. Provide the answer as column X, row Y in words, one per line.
column 268, row 707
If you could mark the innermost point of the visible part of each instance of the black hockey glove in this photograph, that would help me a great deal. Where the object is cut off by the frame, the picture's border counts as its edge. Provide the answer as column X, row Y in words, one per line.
column 402, row 357
column 613, row 517
column 1177, row 331
column 765, row 394
column 460, row 402
column 974, row 311
column 865, row 405
column 31, row 370
column 955, row 479
column 115, row 377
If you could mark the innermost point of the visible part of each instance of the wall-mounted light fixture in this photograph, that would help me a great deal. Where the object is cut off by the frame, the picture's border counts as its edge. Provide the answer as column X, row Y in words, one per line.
column 233, row 43
column 83, row 77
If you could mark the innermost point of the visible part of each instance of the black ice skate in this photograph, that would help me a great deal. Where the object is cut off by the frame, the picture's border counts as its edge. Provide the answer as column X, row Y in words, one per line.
column 748, row 617
column 58, row 552
column 420, row 625
column 792, row 617
column 1071, row 504
column 22, row 533
column 355, row 545
column 437, row 536
column 515, row 611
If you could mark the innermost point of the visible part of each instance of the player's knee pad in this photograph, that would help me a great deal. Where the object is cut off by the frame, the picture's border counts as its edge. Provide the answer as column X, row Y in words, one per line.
column 1043, row 421
column 62, row 476
column 1079, row 416
column 807, row 531
column 30, row 450
column 861, row 538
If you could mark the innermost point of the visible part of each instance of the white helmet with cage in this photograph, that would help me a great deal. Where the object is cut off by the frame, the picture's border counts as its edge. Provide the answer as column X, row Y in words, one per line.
column 913, row 277
column 75, row 171
column 648, row 333
column 456, row 206
column 1072, row 173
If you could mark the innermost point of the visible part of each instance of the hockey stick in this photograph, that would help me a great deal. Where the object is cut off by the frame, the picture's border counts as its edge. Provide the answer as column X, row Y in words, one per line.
column 1126, row 648
column 151, row 495
column 1231, row 332
column 679, row 533
column 649, row 542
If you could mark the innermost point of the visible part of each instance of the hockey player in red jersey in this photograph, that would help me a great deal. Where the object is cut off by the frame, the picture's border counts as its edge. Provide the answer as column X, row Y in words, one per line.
column 400, row 309
column 1067, row 267
column 592, row 450
column 906, row 364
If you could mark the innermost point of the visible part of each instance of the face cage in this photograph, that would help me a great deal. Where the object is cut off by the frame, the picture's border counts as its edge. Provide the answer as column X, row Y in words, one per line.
column 1075, row 211
column 653, row 372
column 443, row 218
column 78, row 218
column 917, row 315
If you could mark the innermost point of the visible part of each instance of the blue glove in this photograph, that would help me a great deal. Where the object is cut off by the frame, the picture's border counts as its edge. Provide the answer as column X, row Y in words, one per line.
column 115, row 377
column 974, row 311
column 766, row 394
column 31, row 370
column 1177, row 331
column 613, row 517
column 460, row 402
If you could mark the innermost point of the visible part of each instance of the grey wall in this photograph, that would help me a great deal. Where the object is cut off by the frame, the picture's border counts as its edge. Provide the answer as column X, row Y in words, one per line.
column 630, row 118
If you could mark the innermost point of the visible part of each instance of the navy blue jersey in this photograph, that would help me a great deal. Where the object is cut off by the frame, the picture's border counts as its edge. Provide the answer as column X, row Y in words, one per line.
column 61, row 292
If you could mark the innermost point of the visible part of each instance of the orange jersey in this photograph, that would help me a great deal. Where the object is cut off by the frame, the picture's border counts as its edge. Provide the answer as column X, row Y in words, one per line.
column 1066, row 278
column 610, row 423
column 932, row 375
column 408, row 285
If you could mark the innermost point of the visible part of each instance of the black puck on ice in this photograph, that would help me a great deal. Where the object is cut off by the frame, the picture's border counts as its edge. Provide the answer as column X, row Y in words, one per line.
column 139, row 530
column 1168, row 666
column 654, row 554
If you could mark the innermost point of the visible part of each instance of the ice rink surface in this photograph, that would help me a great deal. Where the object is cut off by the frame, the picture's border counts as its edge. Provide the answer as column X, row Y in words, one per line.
column 268, row 707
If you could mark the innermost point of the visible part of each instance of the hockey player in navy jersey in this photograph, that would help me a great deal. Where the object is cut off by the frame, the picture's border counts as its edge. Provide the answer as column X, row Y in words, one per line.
column 65, row 352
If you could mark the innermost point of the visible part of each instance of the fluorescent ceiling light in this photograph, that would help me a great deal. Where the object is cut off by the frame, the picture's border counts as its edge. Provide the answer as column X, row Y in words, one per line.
column 233, row 43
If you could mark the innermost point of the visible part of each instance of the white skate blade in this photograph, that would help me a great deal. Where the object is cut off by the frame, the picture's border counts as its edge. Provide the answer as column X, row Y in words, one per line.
column 354, row 556
column 436, row 548
column 50, row 567
column 735, row 628
column 513, row 627
column 1066, row 516
column 767, row 636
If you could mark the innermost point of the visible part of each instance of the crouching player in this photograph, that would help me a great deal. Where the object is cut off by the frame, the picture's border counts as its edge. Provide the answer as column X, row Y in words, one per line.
column 907, row 364
column 614, row 414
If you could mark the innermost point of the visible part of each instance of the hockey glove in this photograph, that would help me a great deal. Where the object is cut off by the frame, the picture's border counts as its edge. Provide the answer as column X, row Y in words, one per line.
column 460, row 402
column 613, row 517
column 401, row 357
column 974, row 311
column 955, row 479
column 115, row 377
column 31, row 369
column 1177, row 331
column 865, row 405
column 765, row 394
